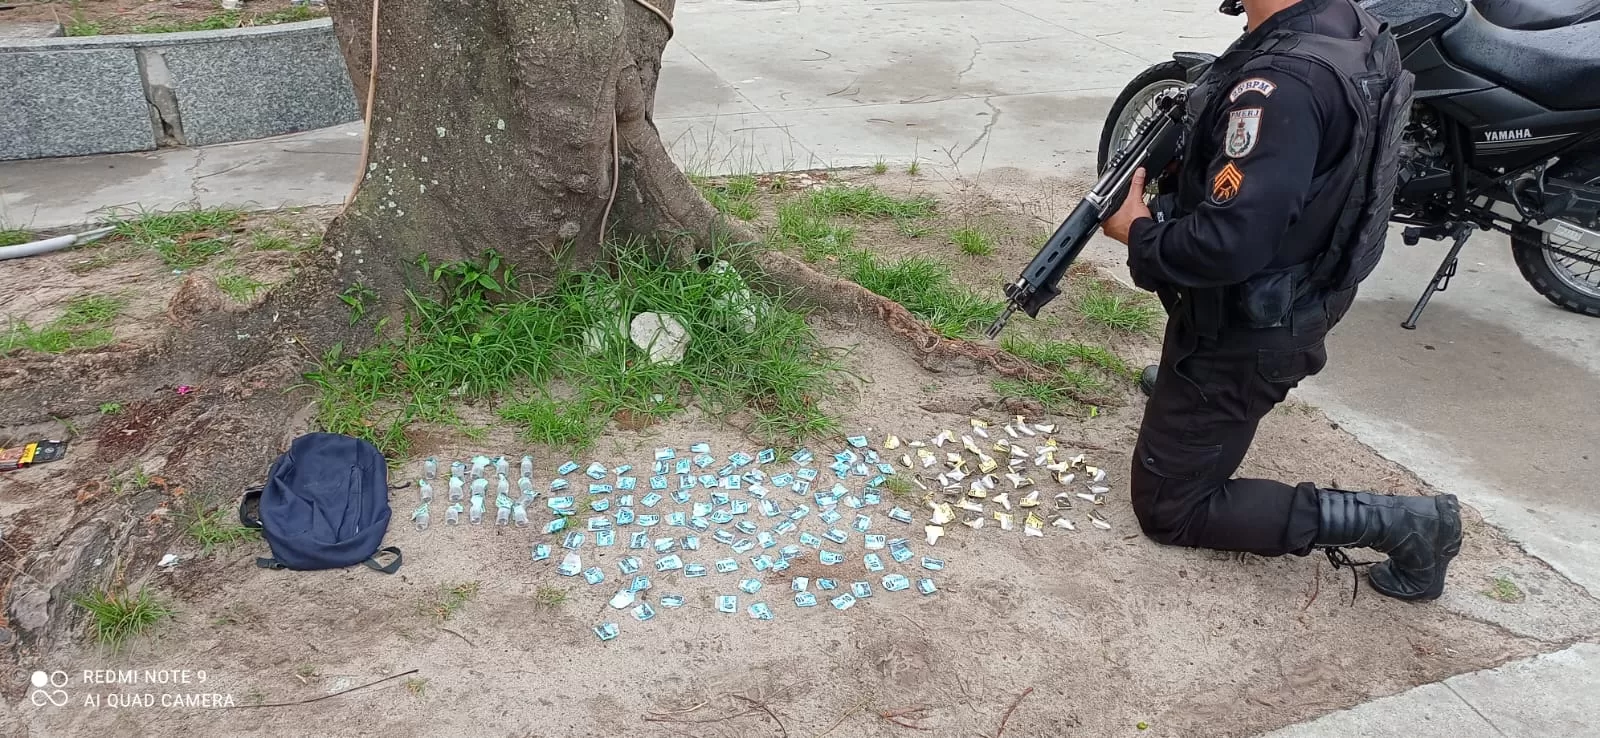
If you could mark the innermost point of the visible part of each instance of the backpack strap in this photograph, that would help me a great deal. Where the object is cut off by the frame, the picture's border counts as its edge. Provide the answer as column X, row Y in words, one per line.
column 267, row 562
column 389, row 568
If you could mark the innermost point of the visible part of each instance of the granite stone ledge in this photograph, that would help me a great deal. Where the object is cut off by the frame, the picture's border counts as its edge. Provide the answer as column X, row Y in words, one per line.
column 71, row 103
column 103, row 94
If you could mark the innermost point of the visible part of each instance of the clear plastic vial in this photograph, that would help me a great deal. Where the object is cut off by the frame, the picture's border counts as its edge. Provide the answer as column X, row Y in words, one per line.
column 475, row 513
column 452, row 514
column 519, row 515
column 502, row 486
column 458, row 469
column 527, row 467
column 424, row 490
column 457, row 492
column 420, row 517
column 501, row 466
column 526, row 485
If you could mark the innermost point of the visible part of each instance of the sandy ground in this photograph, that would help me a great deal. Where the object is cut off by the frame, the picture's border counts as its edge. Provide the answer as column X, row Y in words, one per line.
column 1102, row 630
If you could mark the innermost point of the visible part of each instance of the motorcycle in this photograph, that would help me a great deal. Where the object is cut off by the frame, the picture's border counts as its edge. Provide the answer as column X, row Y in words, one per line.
column 1504, row 133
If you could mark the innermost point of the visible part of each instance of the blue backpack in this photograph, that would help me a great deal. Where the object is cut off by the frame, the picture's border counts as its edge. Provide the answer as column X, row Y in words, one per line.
column 325, row 506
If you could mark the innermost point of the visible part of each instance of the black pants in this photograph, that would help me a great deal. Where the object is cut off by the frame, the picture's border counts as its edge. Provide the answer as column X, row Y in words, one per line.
column 1210, row 394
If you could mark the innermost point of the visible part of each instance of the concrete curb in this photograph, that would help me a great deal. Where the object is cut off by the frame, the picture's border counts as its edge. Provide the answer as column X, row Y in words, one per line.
column 137, row 92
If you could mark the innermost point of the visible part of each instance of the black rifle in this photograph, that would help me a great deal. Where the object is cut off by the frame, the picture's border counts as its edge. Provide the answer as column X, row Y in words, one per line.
column 1152, row 147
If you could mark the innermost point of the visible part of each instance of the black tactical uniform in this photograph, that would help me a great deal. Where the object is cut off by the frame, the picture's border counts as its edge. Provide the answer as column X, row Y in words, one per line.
column 1257, row 261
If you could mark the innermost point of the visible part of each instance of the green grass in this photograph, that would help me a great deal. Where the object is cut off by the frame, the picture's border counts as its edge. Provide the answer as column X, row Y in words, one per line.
column 218, row 528
column 867, row 202
column 14, row 236
column 925, row 287
column 973, row 242
column 116, row 618
column 899, row 487
column 90, row 310
column 450, row 600
column 732, row 197
column 1080, row 372
column 135, row 480
column 480, row 344
column 1123, row 312
column 880, row 166
column 184, row 239
column 110, row 408
column 186, row 254
column 915, row 168
column 807, row 223
column 358, row 297
column 230, row 19
column 799, row 225
column 85, row 324
column 550, row 596
column 239, row 288
column 263, row 241
column 417, row 686
column 1505, row 590
column 553, row 423
column 77, row 25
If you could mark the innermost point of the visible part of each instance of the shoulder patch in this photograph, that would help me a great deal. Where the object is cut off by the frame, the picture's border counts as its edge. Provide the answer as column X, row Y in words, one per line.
column 1225, row 186
column 1244, row 127
column 1254, row 84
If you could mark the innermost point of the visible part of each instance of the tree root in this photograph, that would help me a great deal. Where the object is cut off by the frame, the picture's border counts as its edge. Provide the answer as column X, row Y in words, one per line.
column 841, row 297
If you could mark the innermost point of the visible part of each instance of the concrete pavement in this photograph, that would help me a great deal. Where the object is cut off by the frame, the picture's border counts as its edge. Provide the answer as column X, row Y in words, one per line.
column 1492, row 397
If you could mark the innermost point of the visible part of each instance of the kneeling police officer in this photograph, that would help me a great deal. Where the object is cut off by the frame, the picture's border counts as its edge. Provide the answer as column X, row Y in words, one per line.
column 1281, row 207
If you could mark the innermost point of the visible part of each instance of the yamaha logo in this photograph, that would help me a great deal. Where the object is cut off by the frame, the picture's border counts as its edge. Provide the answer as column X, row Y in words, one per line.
column 1514, row 135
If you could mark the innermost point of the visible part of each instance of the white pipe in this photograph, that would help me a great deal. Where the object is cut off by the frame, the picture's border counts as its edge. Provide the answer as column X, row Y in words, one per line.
column 45, row 246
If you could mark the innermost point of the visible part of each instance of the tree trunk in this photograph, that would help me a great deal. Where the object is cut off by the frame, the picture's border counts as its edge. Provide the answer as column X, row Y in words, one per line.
column 495, row 124
column 527, row 126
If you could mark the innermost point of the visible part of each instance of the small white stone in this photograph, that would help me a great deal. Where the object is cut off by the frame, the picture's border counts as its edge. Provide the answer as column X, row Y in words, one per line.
column 439, row 130
column 661, row 335
column 501, row 124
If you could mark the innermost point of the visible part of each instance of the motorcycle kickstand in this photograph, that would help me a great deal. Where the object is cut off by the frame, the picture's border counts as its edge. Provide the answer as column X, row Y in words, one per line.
column 1441, row 278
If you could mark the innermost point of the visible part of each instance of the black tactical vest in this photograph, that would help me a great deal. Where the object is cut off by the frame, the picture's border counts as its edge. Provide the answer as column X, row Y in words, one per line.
column 1339, row 237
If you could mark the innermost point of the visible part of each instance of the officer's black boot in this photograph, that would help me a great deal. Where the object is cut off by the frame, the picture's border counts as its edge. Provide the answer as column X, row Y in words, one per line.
column 1420, row 534
column 1147, row 380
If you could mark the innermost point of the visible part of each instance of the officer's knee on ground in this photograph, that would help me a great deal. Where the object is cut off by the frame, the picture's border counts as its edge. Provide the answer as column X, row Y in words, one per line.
column 1155, row 520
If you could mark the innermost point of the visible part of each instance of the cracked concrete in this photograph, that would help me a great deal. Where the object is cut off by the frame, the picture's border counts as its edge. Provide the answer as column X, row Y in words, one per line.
column 1493, row 397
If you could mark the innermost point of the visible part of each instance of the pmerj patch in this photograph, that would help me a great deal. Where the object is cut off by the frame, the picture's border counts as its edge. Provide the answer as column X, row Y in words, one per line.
column 1244, row 128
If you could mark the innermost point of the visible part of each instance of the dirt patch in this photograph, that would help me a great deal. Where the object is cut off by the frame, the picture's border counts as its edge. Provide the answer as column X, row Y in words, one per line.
column 90, row 17
column 1107, row 629
column 129, row 431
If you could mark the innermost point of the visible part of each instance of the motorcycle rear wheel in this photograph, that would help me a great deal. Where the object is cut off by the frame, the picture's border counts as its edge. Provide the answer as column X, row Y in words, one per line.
column 1570, row 283
column 1136, row 103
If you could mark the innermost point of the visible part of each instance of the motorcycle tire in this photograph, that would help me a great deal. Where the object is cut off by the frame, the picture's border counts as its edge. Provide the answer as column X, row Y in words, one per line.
column 1160, row 75
column 1528, row 250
